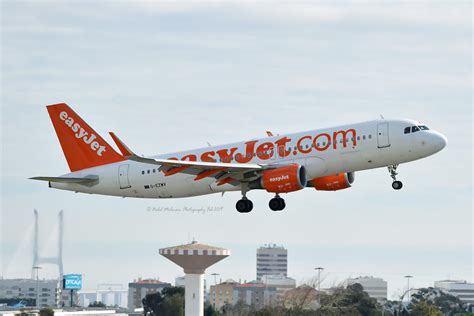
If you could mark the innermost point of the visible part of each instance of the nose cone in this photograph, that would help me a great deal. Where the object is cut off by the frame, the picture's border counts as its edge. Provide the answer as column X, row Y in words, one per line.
column 439, row 141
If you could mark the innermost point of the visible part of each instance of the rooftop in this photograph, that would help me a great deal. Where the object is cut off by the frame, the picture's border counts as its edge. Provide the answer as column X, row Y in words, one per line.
column 192, row 246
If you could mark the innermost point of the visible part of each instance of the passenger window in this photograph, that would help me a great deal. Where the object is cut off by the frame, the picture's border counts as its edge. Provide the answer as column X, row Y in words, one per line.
column 407, row 130
column 363, row 137
column 307, row 146
column 414, row 129
column 358, row 137
column 370, row 136
column 143, row 171
column 154, row 170
column 148, row 171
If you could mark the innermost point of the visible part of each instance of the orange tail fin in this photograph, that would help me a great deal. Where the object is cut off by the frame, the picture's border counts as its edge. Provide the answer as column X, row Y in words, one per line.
column 82, row 146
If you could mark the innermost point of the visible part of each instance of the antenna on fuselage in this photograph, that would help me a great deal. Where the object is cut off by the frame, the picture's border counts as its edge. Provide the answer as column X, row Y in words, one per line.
column 381, row 116
column 209, row 144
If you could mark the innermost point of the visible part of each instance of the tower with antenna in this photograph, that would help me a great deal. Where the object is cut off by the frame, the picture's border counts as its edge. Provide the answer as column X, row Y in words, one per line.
column 54, row 260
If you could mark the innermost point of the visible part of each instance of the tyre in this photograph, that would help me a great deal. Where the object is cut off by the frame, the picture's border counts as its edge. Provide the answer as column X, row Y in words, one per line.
column 397, row 185
column 244, row 206
column 249, row 206
column 277, row 204
column 241, row 206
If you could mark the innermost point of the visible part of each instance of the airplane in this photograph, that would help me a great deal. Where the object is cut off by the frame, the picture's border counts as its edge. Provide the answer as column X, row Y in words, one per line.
column 323, row 159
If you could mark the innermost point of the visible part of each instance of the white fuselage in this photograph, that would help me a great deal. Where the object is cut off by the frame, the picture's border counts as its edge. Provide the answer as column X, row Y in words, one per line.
column 322, row 152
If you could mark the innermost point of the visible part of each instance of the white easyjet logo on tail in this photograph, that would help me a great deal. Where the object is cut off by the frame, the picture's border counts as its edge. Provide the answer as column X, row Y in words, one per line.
column 81, row 133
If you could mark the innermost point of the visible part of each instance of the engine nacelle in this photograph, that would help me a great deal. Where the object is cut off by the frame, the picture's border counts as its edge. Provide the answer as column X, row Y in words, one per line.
column 282, row 180
column 333, row 183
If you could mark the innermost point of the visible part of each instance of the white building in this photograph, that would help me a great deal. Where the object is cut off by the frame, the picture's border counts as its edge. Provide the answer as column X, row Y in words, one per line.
column 49, row 293
column 110, row 297
column 459, row 288
column 254, row 294
column 375, row 287
column 281, row 283
column 272, row 260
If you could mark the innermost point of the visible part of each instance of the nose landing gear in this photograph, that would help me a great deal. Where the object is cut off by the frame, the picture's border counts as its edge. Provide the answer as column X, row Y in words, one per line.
column 277, row 203
column 396, row 185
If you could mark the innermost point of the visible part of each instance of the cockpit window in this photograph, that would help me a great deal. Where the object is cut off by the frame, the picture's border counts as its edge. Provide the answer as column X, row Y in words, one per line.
column 407, row 130
column 415, row 129
column 423, row 127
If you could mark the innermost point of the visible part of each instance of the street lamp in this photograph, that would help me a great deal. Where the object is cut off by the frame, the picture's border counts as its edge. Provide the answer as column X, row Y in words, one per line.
column 215, row 277
column 37, row 284
column 319, row 277
column 408, row 277
column 215, row 287
column 319, row 284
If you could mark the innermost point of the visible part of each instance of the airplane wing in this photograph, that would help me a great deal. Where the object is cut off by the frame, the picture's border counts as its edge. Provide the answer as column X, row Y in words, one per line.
column 232, row 173
column 199, row 164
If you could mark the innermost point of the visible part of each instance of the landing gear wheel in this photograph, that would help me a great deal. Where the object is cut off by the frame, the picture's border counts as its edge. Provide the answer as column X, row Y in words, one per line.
column 244, row 206
column 277, row 204
column 397, row 185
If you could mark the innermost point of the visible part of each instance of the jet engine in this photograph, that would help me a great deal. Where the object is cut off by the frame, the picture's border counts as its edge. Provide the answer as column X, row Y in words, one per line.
column 281, row 180
column 334, row 182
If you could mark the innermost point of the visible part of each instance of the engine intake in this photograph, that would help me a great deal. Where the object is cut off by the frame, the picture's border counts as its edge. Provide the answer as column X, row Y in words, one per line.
column 282, row 180
column 333, row 183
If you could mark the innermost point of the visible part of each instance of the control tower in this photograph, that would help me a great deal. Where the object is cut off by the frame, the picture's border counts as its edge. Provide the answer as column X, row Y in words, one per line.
column 194, row 258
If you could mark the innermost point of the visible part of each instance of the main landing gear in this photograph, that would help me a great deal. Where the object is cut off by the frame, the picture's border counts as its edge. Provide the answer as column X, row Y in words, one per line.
column 244, row 205
column 277, row 203
column 396, row 185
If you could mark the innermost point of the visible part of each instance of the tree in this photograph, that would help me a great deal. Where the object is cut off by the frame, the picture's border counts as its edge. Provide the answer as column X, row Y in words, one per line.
column 170, row 302
column 46, row 312
column 424, row 309
column 442, row 301
column 209, row 310
column 348, row 301
column 97, row 304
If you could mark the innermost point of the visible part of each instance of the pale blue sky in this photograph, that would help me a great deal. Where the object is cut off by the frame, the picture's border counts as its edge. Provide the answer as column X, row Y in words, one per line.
column 168, row 77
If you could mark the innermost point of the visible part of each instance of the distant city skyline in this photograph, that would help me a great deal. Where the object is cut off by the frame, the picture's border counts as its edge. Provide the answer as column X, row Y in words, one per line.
column 171, row 76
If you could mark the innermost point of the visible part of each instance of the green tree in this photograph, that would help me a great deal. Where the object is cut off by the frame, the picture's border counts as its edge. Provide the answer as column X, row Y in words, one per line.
column 423, row 308
column 172, row 306
column 209, row 310
column 170, row 302
column 349, row 301
column 444, row 302
column 97, row 304
column 46, row 312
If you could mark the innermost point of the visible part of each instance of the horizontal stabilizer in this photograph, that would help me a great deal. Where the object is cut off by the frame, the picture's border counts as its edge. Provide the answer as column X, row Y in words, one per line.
column 85, row 180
